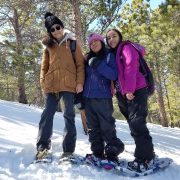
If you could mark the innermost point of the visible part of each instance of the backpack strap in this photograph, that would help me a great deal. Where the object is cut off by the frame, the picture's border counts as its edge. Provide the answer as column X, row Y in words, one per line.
column 143, row 66
column 73, row 49
column 121, row 47
column 142, row 62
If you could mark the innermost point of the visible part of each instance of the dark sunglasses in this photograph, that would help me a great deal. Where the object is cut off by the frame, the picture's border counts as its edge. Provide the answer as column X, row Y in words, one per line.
column 56, row 28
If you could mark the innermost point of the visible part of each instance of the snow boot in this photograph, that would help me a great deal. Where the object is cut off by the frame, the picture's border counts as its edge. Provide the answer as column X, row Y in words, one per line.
column 139, row 165
column 42, row 154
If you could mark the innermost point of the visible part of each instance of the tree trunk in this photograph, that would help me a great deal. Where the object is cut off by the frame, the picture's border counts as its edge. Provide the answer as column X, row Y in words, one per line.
column 169, row 106
column 20, row 70
column 149, row 118
column 77, row 19
column 160, row 100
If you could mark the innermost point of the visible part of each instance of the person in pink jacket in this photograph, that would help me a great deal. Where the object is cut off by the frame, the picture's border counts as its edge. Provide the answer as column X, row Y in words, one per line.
column 132, row 95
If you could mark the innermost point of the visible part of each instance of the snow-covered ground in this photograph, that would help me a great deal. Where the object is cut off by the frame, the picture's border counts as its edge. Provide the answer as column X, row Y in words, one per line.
column 18, row 132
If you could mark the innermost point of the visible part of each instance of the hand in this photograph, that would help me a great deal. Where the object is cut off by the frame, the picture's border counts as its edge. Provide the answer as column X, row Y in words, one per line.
column 79, row 88
column 94, row 62
column 113, row 91
column 130, row 96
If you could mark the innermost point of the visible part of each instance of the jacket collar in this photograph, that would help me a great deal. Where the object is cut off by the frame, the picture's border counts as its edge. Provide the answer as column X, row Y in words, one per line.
column 49, row 42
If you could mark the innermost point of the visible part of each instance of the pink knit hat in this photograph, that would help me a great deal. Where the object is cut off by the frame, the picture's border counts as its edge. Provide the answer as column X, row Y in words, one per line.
column 95, row 36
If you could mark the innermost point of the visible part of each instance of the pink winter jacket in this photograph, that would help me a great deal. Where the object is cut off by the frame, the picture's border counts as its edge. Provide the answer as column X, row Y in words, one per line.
column 129, row 77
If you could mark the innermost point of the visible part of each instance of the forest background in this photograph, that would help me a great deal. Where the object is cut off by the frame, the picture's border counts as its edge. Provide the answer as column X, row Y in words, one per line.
column 22, row 29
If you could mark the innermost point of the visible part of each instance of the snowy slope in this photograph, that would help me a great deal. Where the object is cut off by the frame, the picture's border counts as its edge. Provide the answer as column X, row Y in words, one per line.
column 18, row 132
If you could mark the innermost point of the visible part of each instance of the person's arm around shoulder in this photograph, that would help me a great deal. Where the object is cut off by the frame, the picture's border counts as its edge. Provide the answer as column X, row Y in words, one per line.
column 80, row 68
column 108, row 67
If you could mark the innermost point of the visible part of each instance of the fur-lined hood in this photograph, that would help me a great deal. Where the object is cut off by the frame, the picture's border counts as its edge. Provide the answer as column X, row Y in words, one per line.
column 49, row 42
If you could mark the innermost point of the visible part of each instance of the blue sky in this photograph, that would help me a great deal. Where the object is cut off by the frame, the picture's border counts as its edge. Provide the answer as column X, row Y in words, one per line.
column 155, row 3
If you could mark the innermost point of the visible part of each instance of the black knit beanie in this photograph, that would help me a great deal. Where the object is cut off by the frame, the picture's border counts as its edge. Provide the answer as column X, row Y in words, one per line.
column 50, row 20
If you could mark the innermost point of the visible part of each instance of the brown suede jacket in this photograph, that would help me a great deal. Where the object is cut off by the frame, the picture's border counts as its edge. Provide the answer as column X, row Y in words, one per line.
column 58, row 70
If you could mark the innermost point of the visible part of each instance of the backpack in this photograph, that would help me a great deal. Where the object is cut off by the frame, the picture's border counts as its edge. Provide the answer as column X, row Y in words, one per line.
column 143, row 67
column 73, row 49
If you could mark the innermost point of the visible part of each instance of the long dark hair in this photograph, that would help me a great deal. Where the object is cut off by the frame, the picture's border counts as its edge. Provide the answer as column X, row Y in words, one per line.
column 101, row 54
column 120, row 38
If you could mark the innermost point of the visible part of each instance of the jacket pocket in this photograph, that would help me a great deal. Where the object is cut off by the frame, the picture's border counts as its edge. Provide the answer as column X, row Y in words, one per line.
column 48, row 81
column 70, row 79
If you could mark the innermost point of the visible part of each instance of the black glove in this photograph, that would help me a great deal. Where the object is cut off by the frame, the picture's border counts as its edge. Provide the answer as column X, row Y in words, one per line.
column 78, row 101
column 94, row 62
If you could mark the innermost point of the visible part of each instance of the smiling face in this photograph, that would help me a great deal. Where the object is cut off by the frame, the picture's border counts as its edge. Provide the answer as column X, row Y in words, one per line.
column 57, row 31
column 96, row 46
column 113, row 38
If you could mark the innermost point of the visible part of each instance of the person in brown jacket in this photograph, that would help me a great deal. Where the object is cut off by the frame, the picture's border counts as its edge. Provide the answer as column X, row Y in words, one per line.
column 60, row 76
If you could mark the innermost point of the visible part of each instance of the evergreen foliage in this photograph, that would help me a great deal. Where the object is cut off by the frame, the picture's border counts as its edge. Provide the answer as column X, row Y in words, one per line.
column 22, row 28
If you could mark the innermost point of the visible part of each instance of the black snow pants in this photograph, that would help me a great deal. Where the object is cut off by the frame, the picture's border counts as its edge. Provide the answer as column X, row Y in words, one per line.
column 101, row 128
column 135, row 111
